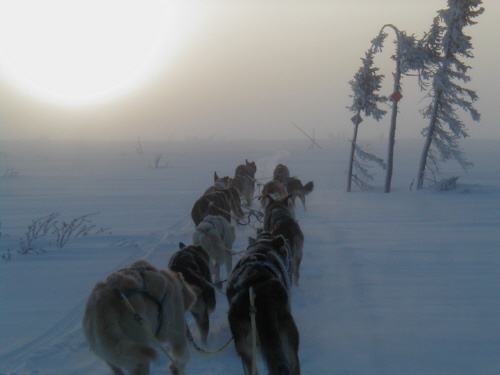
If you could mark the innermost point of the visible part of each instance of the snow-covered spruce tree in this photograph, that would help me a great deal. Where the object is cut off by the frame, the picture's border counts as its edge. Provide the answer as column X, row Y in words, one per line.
column 410, row 57
column 445, row 44
column 365, row 85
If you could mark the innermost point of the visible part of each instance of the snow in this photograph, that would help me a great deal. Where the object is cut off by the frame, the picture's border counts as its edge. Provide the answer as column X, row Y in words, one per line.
column 399, row 283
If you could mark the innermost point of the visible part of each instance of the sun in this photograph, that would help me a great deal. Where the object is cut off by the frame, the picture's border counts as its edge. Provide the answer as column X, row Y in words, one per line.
column 74, row 52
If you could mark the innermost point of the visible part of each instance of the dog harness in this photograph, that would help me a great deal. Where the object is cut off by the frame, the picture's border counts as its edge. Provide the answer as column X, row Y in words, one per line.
column 286, row 216
column 144, row 289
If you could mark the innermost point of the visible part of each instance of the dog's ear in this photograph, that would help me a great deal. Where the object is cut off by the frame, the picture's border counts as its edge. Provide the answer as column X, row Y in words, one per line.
column 181, row 245
column 215, row 177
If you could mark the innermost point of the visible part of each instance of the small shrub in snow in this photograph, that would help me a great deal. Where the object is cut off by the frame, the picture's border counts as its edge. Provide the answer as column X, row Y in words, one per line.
column 6, row 255
column 63, row 231
column 156, row 162
column 38, row 228
column 447, row 184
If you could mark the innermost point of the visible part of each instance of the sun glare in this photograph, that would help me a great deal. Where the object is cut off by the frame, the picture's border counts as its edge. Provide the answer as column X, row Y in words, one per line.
column 75, row 52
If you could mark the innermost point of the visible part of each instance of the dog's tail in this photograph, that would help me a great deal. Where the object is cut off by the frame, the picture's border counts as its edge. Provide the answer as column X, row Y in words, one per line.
column 308, row 187
column 269, row 302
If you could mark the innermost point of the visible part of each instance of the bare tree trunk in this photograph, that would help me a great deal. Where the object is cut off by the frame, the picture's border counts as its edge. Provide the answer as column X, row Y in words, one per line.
column 353, row 149
column 390, row 153
column 392, row 130
column 427, row 145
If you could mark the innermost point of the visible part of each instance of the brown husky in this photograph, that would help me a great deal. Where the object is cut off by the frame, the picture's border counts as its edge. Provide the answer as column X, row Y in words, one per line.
column 244, row 180
column 274, row 188
column 159, row 297
column 279, row 220
column 262, row 272
column 219, row 199
column 281, row 173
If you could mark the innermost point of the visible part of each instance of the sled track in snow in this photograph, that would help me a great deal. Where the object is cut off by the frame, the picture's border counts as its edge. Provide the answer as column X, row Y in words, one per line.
column 66, row 335
column 57, row 336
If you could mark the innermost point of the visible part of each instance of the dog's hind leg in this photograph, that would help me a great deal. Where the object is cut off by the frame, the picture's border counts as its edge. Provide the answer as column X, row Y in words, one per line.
column 179, row 349
column 141, row 369
column 243, row 347
column 229, row 264
column 290, row 338
column 296, row 271
column 271, row 305
column 217, row 274
column 203, row 324
column 114, row 369
column 239, row 323
column 303, row 200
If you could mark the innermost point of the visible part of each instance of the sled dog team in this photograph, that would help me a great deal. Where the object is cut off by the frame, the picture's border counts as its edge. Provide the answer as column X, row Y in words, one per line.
column 135, row 309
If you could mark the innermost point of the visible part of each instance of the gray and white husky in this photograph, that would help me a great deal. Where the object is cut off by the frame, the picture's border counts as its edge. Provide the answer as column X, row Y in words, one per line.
column 263, row 272
column 159, row 297
column 216, row 236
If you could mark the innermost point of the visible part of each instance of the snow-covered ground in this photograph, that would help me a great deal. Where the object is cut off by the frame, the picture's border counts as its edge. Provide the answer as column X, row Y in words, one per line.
column 400, row 283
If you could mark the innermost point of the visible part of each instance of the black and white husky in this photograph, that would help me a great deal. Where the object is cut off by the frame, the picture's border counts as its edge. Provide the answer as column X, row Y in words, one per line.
column 297, row 190
column 244, row 181
column 193, row 263
column 279, row 220
column 263, row 272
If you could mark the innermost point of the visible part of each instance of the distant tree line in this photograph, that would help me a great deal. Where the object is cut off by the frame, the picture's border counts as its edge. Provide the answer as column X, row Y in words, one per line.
column 436, row 60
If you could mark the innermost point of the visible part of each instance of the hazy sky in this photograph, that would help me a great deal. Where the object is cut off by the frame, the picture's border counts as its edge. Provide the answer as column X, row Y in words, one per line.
column 122, row 69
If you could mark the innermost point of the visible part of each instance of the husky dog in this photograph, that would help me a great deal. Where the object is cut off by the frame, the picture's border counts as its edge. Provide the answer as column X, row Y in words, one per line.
column 293, row 184
column 274, row 188
column 216, row 236
column 264, row 243
column 218, row 202
column 193, row 263
column 278, row 219
column 220, row 183
column 281, row 173
column 159, row 297
column 244, row 180
column 262, row 272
